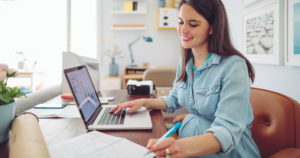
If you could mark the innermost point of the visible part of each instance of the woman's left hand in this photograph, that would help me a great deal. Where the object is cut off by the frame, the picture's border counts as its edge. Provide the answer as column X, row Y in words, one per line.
column 160, row 148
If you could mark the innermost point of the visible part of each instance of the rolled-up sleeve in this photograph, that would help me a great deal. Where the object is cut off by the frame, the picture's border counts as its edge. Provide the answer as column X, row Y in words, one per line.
column 172, row 99
column 232, row 111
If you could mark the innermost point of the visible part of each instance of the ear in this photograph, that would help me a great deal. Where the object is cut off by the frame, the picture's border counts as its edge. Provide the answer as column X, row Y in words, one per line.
column 211, row 30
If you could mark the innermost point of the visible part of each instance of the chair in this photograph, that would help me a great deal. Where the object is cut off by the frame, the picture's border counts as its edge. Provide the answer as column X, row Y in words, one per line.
column 276, row 125
column 160, row 77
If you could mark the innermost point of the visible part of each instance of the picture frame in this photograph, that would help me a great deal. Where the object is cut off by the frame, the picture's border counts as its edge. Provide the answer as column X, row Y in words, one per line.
column 246, row 3
column 263, row 34
column 292, row 33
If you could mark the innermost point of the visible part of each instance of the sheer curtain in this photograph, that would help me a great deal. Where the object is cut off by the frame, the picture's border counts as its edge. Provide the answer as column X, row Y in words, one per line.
column 84, row 28
column 37, row 28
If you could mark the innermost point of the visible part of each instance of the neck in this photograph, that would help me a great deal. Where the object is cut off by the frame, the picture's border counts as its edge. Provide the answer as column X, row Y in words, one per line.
column 200, row 54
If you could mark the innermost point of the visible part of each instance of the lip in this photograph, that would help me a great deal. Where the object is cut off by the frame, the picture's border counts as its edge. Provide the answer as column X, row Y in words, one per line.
column 184, row 39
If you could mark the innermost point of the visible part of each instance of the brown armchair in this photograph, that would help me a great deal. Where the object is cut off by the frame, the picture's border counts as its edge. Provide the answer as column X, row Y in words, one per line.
column 276, row 125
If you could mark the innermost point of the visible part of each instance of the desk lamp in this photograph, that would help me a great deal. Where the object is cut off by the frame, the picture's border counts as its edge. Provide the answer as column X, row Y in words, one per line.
column 146, row 39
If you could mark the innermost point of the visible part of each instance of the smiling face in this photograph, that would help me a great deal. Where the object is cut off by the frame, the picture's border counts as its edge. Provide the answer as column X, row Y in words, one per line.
column 193, row 28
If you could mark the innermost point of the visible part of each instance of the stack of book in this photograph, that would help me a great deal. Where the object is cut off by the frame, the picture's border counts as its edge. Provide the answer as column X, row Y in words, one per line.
column 130, row 6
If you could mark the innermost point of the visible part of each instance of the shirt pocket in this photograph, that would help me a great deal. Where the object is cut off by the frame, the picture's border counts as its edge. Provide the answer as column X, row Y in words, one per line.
column 182, row 90
column 207, row 100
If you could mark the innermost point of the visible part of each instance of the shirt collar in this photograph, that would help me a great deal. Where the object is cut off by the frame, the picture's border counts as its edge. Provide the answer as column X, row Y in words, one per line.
column 214, row 59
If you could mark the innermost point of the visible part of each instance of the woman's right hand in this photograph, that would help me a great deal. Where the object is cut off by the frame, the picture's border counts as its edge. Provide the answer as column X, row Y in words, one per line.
column 134, row 105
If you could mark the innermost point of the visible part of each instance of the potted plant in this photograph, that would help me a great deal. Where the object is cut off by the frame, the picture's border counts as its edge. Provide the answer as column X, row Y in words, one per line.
column 7, row 102
column 21, row 57
column 113, row 68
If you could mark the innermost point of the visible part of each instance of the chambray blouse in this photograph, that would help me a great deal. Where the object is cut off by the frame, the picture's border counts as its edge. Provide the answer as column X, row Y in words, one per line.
column 217, row 98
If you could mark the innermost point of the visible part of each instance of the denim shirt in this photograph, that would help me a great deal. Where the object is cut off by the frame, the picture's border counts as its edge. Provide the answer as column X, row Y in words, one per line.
column 219, row 92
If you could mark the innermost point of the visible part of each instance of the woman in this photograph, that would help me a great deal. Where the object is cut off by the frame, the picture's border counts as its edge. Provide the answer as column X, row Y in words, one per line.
column 212, row 83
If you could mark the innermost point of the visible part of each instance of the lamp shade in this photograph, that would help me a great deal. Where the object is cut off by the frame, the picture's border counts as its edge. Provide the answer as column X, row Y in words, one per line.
column 147, row 39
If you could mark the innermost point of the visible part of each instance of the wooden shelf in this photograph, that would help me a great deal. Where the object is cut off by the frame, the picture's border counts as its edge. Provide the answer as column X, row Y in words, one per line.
column 128, row 28
column 129, row 12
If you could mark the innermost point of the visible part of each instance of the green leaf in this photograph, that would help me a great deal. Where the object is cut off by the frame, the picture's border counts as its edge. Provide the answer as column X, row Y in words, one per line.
column 11, row 75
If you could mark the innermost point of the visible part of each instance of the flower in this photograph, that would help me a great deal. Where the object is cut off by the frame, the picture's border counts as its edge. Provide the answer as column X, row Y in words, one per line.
column 3, row 67
column 12, row 72
column 2, row 75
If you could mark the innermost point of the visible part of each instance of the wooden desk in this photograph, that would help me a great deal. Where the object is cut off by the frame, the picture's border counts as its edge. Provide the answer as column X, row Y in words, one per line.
column 58, row 130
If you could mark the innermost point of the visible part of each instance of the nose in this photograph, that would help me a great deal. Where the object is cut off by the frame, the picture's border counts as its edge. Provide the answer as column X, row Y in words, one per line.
column 183, row 29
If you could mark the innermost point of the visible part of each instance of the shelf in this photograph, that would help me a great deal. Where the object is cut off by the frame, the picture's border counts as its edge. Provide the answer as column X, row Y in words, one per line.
column 128, row 28
column 128, row 12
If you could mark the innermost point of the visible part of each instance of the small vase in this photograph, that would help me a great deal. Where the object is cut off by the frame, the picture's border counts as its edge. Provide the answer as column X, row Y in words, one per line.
column 113, row 69
column 161, row 3
column 6, row 116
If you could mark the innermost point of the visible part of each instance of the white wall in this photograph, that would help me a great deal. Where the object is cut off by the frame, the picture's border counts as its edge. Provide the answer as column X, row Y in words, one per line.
column 282, row 79
column 163, row 51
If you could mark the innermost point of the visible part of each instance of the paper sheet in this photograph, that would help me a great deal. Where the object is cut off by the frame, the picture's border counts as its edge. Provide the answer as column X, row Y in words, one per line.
column 96, row 144
column 70, row 111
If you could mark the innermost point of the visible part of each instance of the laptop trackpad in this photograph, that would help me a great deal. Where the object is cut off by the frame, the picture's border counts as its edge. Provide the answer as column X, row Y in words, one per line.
column 139, row 118
column 142, row 113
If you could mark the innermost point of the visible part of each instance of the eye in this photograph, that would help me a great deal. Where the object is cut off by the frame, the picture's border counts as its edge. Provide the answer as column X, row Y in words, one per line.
column 194, row 25
column 180, row 22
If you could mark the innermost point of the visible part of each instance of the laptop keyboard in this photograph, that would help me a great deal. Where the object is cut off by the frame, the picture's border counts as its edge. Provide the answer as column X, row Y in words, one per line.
column 111, row 119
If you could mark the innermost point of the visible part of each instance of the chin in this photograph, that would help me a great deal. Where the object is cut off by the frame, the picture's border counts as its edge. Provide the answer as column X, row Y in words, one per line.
column 186, row 46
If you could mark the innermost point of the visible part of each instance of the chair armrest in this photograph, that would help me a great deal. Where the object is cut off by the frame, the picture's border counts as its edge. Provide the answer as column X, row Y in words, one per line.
column 287, row 152
column 179, row 118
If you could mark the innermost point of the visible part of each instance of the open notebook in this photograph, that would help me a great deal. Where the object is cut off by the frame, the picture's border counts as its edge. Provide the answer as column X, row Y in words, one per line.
column 96, row 144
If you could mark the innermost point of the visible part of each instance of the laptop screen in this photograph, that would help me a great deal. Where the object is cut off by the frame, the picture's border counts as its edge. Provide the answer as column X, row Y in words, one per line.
column 84, row 92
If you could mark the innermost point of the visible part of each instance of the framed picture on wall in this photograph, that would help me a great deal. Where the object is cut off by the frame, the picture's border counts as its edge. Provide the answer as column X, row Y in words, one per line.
column 245, row 3
column 292, row 53
column 263, row 34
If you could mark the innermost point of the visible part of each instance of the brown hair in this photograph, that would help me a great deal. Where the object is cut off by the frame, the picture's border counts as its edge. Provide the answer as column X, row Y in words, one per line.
column 219, row 42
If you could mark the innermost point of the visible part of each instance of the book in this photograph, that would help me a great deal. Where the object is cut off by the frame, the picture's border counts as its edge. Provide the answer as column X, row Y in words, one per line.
column 67, row 96
column 135, row 6
column 96, row 144
column 128, row 5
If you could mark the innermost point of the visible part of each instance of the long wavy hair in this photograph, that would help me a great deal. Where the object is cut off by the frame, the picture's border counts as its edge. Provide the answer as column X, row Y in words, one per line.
column 219, row 41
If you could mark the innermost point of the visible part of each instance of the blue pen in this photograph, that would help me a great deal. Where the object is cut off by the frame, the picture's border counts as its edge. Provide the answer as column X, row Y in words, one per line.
column 173, row 129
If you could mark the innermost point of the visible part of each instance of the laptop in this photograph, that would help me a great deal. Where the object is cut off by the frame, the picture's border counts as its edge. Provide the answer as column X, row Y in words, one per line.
column 94, row 115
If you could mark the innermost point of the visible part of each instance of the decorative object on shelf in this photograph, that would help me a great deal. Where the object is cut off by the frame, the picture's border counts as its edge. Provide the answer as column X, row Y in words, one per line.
column 7, row 102
column 20, row 56
column 246, row 3
column 161, row 3
column 146, row 39
column 130, row 5
column 113, row 68
column 167, row 18
column 292, row 33
column 263, row 41
column 174, row 3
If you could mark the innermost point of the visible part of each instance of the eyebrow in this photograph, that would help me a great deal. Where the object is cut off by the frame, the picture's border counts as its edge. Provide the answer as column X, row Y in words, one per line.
column 190, row 20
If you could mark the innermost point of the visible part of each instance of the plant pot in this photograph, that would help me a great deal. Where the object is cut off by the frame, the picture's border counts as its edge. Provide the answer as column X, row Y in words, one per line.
column 21, row 64
column 161, row 3
column 113, row 68
column 6, row 116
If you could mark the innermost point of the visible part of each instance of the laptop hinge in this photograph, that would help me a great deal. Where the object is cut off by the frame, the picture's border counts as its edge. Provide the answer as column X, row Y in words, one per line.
column 94, row 116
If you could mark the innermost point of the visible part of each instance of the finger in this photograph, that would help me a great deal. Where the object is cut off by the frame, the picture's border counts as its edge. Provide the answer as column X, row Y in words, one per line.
column 134, row 108
column 163, row 144
column 151, row 142
column 122, row 107
column 173, row 149
column 114, row 108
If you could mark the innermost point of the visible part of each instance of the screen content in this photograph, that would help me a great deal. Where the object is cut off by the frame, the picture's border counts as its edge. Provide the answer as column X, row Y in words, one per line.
column 84, row 91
